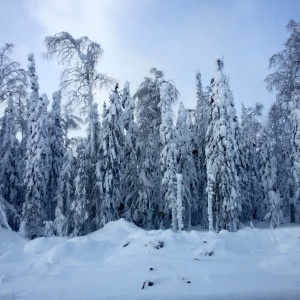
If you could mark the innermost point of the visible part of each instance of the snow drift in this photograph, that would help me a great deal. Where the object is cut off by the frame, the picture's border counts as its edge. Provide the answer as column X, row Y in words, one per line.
column 122, row 261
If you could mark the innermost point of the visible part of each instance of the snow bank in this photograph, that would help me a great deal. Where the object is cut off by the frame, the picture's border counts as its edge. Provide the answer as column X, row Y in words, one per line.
column 122, row 261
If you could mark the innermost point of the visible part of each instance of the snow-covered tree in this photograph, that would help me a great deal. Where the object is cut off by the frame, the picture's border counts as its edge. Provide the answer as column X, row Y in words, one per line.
column 112, row 157
column 65, row 194
column 149, row 120
column 199, row 130
column 285, row 80
column 93, row 132
column 130, row 182
column 93, row 156
column 145, row 208
column 250, row 179
column 21, row 108
column 271, row 197
column 78, row 210
column 56, row 148
column 281, row 128
column 223, row 187
column 36, row 208
column 168, row 155
column 186, row 167
column 10, row 169
column 3, row 214
column 80, row 77
column 13, row 79
column 295, row 106
column 69, row 122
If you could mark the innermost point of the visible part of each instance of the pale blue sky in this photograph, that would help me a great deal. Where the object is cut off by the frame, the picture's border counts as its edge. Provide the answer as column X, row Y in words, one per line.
column 176, row 36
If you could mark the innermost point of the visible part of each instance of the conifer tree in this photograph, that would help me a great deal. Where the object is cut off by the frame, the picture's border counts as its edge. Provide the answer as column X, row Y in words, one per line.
column 145, row 211
column 223, row 188
column 93, row 156
column 36, row 208
column 281, row 128
column 186, row 167
column 56, row 148
column 250, row 181
column 168, row 160
column 271, row 197
column 285, row 80
column 198, row 136
column 11, row 186
column 112, row 206
column 296, row 155
column 149, row 120
column 78, row 211
column 130, row 185
column 65, row 194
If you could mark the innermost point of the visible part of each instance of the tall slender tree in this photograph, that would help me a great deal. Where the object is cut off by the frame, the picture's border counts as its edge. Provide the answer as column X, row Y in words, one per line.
column 285, row 80
column 56, row 148
column 223, row 187
column 112, row 154
column 199, row 132
column 65, row 194
column 250, row 179
column 149, row 119
column 168, row 160
column 36, row 208
column 186, row 167
column 11, row 186
column 131, row 184
column 295, row 105
column 270, row 205
column 78, row 211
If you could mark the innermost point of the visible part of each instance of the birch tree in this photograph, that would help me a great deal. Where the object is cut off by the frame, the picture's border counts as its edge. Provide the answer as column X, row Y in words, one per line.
column 79, row 57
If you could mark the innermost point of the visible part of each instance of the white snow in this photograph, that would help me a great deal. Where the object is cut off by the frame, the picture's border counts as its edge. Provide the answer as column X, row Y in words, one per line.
column 115, row 261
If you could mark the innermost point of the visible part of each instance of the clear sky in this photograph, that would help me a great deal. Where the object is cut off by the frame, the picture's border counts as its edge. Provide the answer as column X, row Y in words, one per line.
column 178, row 37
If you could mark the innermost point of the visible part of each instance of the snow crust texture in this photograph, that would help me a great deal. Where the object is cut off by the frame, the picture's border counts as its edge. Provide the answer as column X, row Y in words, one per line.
column 117, row 261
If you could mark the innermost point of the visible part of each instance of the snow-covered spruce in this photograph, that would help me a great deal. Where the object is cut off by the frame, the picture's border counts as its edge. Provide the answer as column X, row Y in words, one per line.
column 270, row 205
column 110, row 166
column 295, row 205
column 94, row 140
column 285, row 80
column 224, row 207
column 130, row 183
column 148, row 115
column 168, row 157
column 250, row 177
column 78, row 211
column 56, row 148
column 11, row 185
column 65, row 194
column 36, row 208
column 187, row 169
column 198, row 132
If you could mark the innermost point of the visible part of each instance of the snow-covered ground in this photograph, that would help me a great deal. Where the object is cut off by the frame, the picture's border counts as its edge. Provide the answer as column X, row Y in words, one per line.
column 117, row 261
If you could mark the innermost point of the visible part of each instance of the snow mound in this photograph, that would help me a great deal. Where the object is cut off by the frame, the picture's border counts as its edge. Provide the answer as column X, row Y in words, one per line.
column 78, row 251
column 122, row 261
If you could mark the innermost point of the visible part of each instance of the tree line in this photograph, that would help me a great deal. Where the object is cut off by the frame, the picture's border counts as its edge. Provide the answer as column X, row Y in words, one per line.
column 207, row 169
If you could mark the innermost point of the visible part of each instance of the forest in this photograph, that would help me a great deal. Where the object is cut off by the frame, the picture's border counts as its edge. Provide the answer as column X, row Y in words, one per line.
column 207, row 169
